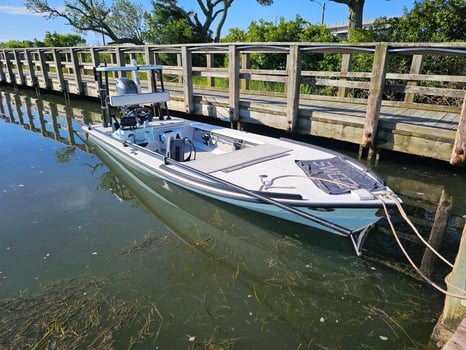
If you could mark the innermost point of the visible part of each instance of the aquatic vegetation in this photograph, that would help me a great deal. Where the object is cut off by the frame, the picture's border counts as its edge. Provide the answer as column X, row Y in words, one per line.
column 77, row 314
column 146, row 245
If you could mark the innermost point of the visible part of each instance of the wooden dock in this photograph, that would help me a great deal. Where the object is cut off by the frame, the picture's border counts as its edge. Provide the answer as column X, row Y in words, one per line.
column 458, row 340
column 410, row 112
column 53, row 118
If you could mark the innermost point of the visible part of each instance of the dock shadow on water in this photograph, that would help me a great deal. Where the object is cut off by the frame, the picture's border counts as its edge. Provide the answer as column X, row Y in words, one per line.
column 139, row 263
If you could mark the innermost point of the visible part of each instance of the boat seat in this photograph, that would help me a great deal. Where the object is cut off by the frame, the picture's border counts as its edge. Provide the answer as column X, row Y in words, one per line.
column 239, row 159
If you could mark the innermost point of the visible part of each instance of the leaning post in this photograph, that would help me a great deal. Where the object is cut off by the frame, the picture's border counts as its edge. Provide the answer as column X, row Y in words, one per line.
column 294, row 77
column 459, row 147
column 374, row 101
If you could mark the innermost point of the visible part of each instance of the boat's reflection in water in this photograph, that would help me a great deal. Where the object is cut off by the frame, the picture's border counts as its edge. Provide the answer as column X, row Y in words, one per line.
column 270, row 284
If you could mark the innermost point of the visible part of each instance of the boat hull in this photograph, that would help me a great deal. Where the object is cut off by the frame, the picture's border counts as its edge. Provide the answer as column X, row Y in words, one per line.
column 355, row 219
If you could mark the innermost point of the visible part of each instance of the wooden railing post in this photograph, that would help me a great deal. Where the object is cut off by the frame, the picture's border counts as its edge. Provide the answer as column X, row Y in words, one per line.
column 374, row 100
column 416, row 66
column 77, row 71
column 459, row 147
column 95, row 57
column 346, row 61
column 2, row 60
column 31, row 72
column 59, row 67
column 179, row 63
column 148, row 56
column 245, row 64
column 293, row 82
column 120, row 61
column 233, row 83
column 19, row 67
column 9, row 68
column 187, row 66
column 149, row 60
column 44, row 69
column 210, row 64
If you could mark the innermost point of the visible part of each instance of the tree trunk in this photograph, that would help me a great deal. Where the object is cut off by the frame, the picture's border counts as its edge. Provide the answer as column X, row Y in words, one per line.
column 356, row 9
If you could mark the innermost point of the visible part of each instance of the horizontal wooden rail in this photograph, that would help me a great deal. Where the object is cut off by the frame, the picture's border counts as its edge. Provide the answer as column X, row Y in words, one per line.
column 409, row 111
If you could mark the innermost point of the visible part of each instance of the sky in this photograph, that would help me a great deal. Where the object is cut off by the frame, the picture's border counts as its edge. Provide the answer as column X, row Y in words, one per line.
column 17, row 23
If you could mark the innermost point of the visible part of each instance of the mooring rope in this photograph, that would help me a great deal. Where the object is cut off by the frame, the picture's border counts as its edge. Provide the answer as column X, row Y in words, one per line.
column 268, row 184
column 405, row 253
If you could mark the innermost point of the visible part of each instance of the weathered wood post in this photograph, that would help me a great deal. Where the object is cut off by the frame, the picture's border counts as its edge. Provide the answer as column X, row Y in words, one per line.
column 454, row 309
column 437, row 232
column 416, row 66
column 120, row 61
column 293, row 84
column 210, row 64
column 346, row 61
column 44, row 70
column 245, row 64
column 374, row 101
column 2, row 73
column 233, row 84
column 459, row 147
column 19, row 67
column 76, row 71
column 187, row 67
column 30, row 67
column 9, row 68
column 59, row 68
column 149, row 59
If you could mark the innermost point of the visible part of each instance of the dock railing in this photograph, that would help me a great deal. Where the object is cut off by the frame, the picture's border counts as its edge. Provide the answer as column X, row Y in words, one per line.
column 409, row 109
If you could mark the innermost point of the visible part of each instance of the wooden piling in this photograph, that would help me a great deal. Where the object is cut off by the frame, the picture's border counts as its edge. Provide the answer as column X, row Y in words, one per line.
column 375, row 96
column 454, row 310
column 437, row 232
column 459, row 147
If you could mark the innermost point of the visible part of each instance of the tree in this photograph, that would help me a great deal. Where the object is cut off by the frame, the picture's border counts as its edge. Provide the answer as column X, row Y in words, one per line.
column 428, row 21
column 121, row 22
column 169, row 23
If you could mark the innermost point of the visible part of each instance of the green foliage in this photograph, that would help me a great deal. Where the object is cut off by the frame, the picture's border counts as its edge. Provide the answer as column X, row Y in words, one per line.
column 15, row 44
column 50, row 40
column 428, row 21
column 298, row 30
column 169, row 24
column 62, row 40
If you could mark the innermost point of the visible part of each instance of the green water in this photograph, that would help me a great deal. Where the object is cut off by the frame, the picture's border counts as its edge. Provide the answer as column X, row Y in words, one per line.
column 94, row 254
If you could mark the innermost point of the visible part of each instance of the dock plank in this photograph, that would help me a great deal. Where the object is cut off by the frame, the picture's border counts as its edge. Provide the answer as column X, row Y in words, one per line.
column 458, row 340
